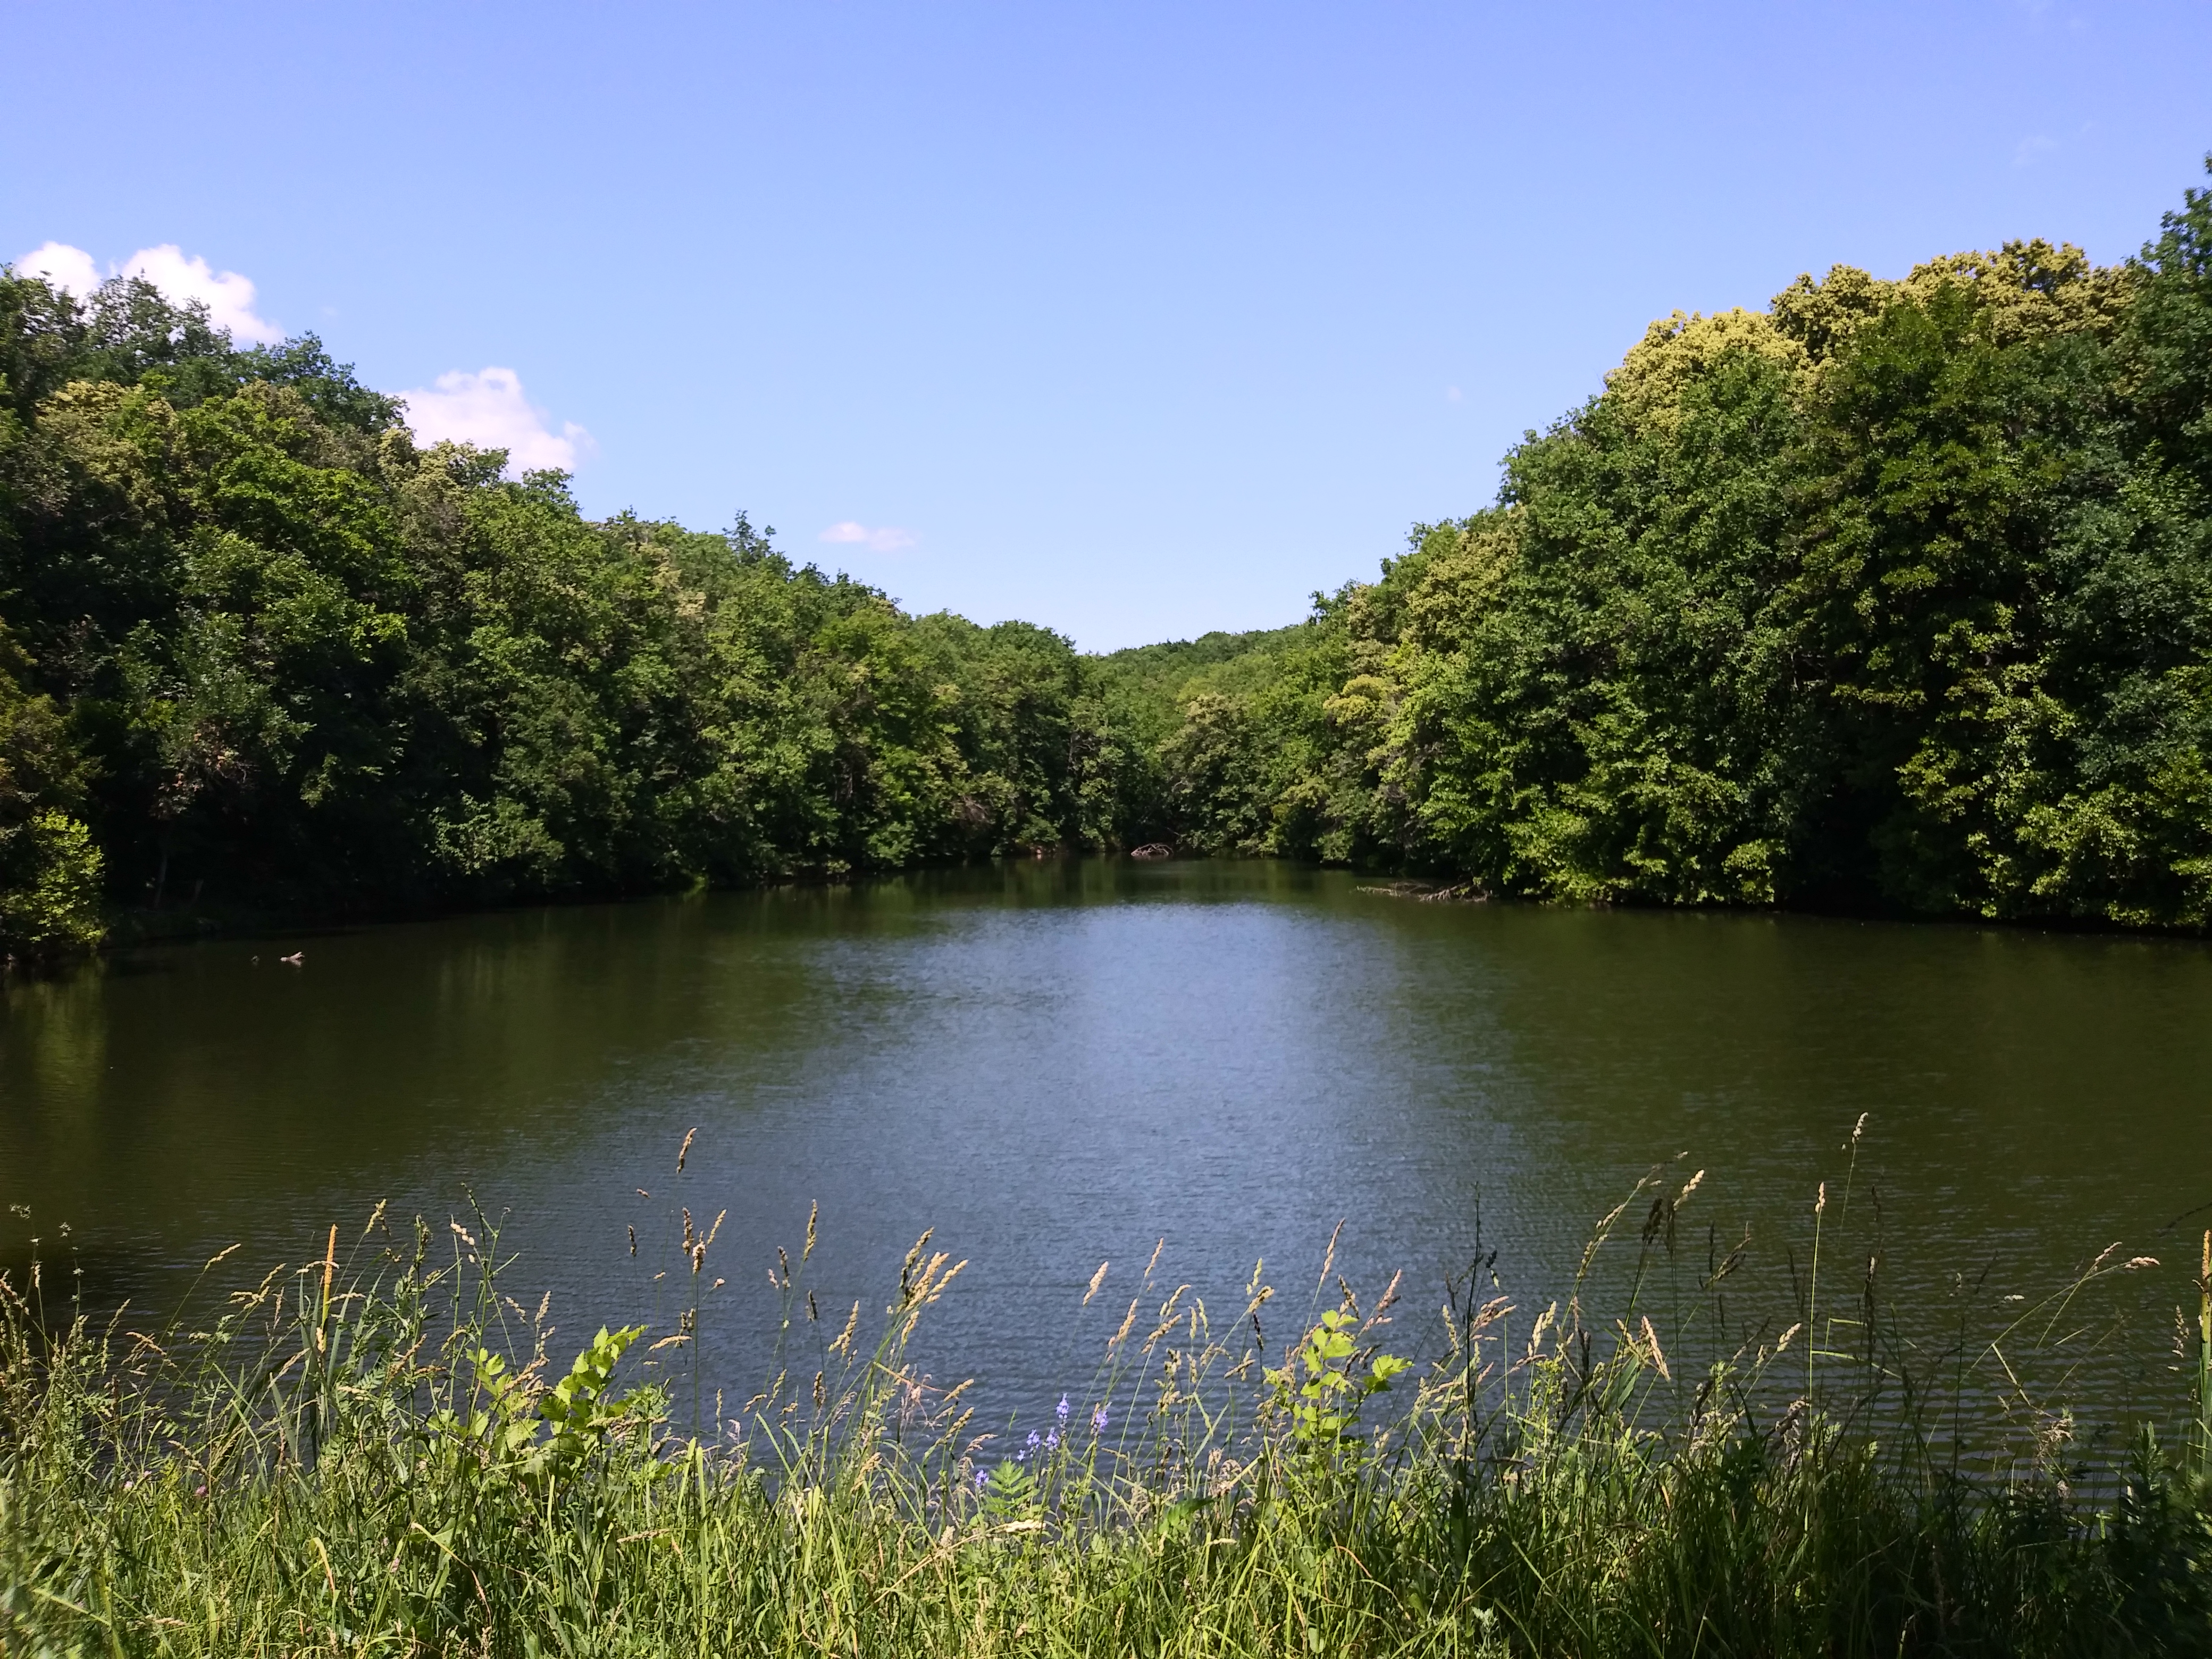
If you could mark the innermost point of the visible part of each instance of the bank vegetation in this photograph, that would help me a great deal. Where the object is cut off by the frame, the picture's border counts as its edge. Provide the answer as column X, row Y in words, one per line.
column 1895, row 595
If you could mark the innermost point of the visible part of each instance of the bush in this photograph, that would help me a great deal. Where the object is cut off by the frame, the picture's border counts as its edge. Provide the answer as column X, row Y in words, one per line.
column 50, row 866
column 49, row 887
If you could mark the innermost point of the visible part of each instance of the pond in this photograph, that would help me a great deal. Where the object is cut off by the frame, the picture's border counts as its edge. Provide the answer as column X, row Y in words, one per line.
column 1058, row 1064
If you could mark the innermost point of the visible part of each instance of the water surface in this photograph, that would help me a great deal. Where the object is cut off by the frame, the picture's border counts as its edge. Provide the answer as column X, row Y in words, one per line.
column 1058, row 1064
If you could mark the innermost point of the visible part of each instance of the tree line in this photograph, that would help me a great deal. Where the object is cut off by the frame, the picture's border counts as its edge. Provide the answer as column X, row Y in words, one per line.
column 262, row 649
column 1897, row 595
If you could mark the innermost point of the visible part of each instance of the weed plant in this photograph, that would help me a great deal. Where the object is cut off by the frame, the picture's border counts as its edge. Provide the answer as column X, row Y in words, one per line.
column 379, row 1454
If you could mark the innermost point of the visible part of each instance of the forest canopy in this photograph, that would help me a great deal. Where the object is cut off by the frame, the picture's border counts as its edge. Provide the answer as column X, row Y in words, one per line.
column 1896, row 595
column 261, row 648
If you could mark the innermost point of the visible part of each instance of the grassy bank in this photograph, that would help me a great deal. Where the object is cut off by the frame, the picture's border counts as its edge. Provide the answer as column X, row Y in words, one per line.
column 379, row 1452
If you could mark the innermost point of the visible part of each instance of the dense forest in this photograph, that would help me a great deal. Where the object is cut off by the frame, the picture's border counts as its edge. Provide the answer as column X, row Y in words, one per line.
column 1896, row 595
column 262, row 650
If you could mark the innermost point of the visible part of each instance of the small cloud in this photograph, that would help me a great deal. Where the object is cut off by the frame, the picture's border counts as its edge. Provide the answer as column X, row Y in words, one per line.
column 489, row 410
column 228, row 295
column 2032, row 147
column 1451, row 394
column 69, row 269
column 884, row 538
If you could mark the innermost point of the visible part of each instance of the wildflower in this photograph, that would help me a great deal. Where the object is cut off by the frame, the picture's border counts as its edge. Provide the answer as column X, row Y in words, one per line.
column 1062, row 1413
column 1036, row 1440
column 1052, row 1440
column 982, row 1475
column 1098, row 1421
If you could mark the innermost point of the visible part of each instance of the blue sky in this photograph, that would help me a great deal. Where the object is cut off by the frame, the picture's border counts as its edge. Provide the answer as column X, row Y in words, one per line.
column 1134, row 321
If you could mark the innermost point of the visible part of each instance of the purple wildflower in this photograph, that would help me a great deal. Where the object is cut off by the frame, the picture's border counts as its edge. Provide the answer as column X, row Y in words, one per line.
column 1052, row 1440
column 1098, row 1421
column 1062, row 1413
column 982, row 1475
column 1036, row 1440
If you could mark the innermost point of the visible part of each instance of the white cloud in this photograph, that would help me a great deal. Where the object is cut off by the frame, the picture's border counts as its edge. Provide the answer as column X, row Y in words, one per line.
column 228, row 295
column 884, row 538
column 489, row 411
column 70, row 269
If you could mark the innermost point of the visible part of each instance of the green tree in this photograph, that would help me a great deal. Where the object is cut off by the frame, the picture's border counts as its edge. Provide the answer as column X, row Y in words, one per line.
column 49, row 870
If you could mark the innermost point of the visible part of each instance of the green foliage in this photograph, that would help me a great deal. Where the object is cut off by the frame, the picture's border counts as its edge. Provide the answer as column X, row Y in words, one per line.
column 579, row 1406
column 49, row 870
column 307, row 662
column 351, row 1457
column 49, row 886
column 1897, row 595
column 1323, row 1386
column 507, row 1413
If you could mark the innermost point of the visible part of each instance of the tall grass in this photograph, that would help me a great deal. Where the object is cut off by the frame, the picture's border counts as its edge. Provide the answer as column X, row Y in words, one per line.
column 379, row 1454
